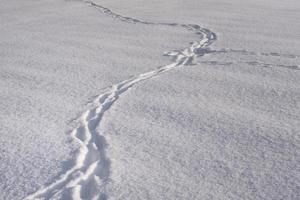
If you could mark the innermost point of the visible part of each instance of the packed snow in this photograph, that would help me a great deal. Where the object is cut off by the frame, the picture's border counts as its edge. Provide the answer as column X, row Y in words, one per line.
column 156, row 99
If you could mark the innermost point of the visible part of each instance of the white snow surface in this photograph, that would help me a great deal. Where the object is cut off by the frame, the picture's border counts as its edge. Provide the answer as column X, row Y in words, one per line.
column 156, row 99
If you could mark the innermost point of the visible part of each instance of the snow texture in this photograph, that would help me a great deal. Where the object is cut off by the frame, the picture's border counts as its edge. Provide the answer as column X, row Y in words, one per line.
column 179, row 99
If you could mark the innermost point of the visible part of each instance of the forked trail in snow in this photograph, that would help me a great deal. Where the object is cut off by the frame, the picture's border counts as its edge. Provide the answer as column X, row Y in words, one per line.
column 89, row 175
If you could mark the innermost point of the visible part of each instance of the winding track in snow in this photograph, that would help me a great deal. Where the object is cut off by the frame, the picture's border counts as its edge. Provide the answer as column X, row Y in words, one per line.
column 90, row 174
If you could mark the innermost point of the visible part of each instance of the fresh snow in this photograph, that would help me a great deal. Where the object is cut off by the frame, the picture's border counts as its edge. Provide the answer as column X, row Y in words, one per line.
column 151, row 99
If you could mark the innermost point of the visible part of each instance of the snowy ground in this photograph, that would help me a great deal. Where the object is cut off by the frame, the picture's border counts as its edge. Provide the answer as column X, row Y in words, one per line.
column 90, row 107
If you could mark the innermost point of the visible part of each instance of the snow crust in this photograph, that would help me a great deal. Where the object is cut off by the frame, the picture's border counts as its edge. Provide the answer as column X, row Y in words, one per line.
column 223, row 123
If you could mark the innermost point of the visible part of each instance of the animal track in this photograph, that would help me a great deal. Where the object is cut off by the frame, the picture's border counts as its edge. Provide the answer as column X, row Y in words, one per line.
column 252, row 63
column 256, row 63
column 90, row 174
column 247, row 52
column 88, row 178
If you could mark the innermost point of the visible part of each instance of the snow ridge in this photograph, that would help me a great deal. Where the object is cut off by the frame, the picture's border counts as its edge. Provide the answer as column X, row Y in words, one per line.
column 90, row 174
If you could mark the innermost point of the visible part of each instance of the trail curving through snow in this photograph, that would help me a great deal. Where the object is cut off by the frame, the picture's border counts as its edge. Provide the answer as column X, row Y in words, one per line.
column 90, row 174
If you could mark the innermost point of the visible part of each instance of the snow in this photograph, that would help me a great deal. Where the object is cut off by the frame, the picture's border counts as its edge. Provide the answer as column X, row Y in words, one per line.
column 90, row 107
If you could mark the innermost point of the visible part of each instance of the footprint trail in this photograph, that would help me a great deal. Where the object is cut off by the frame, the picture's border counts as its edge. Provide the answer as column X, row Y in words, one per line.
column 88, row 177
column 90, row 174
